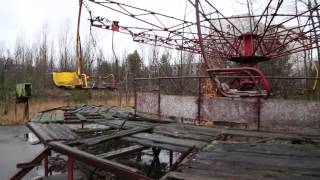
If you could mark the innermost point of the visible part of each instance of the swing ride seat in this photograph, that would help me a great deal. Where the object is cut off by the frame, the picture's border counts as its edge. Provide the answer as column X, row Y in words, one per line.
column 246, row 80
column 69, row 80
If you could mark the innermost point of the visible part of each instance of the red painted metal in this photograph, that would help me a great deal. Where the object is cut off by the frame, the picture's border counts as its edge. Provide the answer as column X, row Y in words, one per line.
column 22, row 172
column 103, row 164
column 248, row 45
column 70, row 164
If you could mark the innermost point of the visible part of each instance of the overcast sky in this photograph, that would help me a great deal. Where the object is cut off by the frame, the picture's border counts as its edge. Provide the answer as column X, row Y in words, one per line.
column 25, row 18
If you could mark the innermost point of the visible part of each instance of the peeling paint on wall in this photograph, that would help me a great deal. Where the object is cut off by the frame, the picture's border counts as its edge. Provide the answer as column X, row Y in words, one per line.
column 274, row 113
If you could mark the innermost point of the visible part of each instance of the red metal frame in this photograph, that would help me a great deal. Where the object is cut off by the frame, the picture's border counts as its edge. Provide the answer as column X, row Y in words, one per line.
column 26, row 169
column 75, row 154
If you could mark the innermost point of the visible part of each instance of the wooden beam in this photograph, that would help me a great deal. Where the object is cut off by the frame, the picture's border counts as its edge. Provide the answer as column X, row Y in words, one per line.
column 104, row 138
column 80, row 116
column 28, row 165
column 122, row 151
column 146, row 142
column 170, row 140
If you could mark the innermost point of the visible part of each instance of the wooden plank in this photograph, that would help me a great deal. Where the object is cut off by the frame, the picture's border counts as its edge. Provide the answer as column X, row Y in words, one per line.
column 282, row 150
column 178, row 132
column 247, row 161
column 149, row 143
column 185, row 176
column 81, row 117
column 226, row 169
column 28, row 165
column 170, row 140
column 92, row 130
column 35, row 128
column 104, row 138
column 116, row 123
column 259, row 134
column 122, row 151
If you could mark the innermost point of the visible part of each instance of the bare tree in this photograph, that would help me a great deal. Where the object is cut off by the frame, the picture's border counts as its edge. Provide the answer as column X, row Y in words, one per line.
column 65, row 48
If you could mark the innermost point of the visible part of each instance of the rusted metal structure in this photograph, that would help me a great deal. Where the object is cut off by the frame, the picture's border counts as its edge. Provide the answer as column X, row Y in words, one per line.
column 218, row 38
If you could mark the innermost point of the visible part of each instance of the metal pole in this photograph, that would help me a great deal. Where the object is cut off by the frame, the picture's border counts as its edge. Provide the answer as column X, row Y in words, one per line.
column 171, row 158
column 135, row 96
column 159, row 98
column 46, row 166
column 259, row 113
column 199, row 99
column 70, row 168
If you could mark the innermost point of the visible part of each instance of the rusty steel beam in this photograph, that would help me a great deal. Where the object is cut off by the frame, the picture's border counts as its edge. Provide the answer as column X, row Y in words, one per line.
column 103, row 164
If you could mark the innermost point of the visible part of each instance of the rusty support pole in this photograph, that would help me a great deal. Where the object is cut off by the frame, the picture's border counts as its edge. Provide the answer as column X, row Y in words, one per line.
column 46, row 166
column 135, row 96
column 258, row 113
column 70, row 168
column 199, row 99
column 170, row 158
column 82, row 124
column 159, row 98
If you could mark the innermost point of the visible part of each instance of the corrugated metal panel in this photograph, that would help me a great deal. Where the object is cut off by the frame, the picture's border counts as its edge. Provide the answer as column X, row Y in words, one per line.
column 179, row 106
column 147, row 102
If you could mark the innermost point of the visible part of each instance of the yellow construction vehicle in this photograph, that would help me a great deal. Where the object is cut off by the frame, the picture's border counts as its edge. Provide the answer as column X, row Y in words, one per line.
column 77, row 79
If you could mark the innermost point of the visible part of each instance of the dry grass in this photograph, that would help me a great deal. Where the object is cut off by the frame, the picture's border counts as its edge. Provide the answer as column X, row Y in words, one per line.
column 40, row 104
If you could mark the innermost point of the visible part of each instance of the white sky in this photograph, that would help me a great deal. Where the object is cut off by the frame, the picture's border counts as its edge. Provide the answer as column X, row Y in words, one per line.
column 25, row 18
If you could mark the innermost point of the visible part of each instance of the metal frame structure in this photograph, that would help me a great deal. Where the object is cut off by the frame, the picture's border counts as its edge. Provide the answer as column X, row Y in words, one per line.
column 268, row 38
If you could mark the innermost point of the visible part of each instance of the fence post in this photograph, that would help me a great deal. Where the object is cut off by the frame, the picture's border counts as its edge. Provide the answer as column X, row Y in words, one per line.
column 258, row 113
column 159, row 98
column 46, row 166
column 199, row 98
column 135, row 96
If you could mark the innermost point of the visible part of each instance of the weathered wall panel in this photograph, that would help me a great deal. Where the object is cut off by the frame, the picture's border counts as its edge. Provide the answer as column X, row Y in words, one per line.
column 290, row 113
column 179, row 106
column 274, row 114
column 231, row 110
column 147, row 102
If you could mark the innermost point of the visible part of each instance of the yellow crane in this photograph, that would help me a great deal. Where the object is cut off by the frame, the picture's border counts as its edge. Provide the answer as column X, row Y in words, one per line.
column 78, row 79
